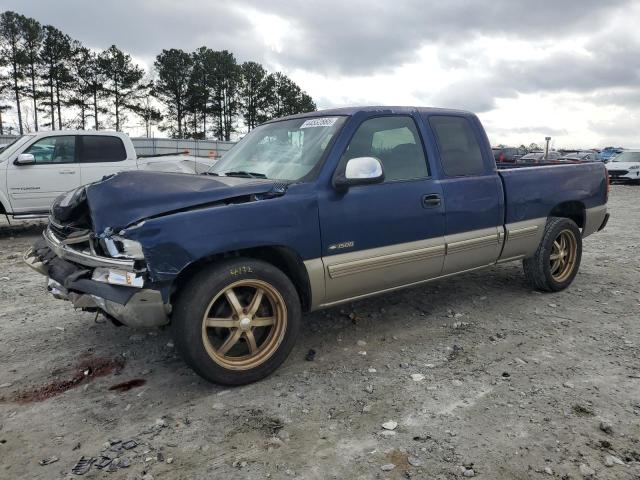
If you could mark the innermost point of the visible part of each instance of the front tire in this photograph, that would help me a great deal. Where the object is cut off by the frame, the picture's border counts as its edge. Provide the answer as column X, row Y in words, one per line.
column 557, row 260
column 236, row 322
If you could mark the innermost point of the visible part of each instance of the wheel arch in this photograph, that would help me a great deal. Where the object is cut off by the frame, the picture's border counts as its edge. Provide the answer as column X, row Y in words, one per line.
column 284, row 258
column 573, row 210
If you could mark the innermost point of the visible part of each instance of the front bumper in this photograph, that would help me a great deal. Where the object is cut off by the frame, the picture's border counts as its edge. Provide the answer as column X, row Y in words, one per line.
column 624, row 174
column 69, row 275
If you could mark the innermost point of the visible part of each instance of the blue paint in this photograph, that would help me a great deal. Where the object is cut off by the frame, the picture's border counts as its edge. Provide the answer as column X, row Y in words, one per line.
column 129, row 197
column 533, row 192
column 188, row 218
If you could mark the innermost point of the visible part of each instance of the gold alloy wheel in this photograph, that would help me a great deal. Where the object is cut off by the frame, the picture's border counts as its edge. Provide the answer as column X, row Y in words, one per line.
column 244, row 324
column 563, row 255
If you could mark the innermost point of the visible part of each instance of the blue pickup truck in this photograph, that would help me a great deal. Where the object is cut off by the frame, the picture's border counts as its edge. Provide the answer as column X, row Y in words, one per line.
column 308, row 212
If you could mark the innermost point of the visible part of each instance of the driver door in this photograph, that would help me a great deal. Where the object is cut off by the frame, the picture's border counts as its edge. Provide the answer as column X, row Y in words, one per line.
column 382, row 236
column 33, row 188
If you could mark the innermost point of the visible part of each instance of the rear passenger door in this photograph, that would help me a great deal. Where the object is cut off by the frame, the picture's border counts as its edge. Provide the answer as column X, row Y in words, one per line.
column 474, row 202
column 102, row 155
column 378, row 237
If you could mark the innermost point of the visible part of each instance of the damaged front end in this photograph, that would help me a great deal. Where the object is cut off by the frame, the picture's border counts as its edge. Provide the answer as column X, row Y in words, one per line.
column 96, row 273
column 92, row 250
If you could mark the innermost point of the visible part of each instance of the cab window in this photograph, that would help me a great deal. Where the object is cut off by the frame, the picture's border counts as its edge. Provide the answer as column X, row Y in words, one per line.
column 394, row 140
column 60, row 149
column 459, row 148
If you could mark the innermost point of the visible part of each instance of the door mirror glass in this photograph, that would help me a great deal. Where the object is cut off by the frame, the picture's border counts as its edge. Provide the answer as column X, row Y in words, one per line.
column 360, row 171
column 25, row 159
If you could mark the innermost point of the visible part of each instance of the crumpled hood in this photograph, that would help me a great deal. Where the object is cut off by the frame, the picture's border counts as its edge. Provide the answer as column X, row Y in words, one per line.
column 130, row 197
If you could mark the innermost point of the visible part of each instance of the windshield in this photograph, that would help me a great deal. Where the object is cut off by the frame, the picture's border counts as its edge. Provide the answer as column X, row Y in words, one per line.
column 627, row 157
column 286, row 150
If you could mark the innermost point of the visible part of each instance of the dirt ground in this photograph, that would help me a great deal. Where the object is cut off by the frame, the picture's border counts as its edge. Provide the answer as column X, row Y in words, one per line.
column 483, row 376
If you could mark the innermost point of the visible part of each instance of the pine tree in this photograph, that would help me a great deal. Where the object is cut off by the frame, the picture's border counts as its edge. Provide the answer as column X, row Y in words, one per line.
column 5, row 90
column 287, row 98
column 145, row 107
column 33, row 35
column 199, row 90
column 254, row 94
column 224, row 84
column 202, row 92
column 123, row 82
column 171, row 88
column 12, row 51
column 88, row 92
column 55, row 57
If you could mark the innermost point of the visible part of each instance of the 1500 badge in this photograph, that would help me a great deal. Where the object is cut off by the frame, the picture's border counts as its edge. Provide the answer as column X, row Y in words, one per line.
column 340, row 246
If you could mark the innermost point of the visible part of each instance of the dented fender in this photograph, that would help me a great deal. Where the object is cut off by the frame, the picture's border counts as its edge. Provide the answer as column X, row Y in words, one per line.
column 173, row 242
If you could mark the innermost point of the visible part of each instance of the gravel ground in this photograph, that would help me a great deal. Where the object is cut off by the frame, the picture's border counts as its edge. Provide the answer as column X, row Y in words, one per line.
column 482, row 376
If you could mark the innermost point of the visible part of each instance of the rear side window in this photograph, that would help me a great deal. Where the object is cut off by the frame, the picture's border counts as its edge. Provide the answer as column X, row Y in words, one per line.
column 100, row 148
column 459, row 149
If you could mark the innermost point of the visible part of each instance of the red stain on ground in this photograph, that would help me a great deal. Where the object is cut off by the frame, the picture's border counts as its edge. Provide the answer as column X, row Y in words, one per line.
column 86, row 370
column 125, row 386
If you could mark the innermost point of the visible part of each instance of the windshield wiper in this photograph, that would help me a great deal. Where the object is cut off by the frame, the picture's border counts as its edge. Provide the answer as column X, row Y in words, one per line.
column 242, row 173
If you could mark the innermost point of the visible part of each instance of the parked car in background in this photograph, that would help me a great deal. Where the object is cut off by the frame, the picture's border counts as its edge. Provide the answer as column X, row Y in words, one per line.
column 36, row 168
column 625, row 166
column 538, row 157
column 305, row 213
column 607, row 153
column 576, row 157
column 506, row 154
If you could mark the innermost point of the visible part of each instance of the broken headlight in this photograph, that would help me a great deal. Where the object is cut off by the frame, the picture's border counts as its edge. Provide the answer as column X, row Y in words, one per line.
column 118, row 277
column 119, row 247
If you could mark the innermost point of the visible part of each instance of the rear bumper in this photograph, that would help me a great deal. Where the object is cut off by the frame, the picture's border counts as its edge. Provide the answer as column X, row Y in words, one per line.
column 135, row 307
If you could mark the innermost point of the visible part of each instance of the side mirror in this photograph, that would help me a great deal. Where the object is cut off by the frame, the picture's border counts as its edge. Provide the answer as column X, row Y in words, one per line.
column 25, row 159
column 359, row 171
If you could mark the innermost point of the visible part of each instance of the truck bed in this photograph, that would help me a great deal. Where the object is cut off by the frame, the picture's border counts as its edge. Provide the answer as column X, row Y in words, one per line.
column 532, row 191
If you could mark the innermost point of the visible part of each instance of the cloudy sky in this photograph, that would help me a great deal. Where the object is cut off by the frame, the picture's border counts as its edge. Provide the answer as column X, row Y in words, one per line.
column 529, row 68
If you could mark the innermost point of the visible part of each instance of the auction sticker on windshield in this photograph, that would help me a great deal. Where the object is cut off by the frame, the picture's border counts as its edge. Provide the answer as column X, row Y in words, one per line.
column 319, row 122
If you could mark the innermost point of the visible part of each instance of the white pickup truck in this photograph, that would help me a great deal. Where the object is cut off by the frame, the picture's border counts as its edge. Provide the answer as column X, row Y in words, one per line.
column 36, row 168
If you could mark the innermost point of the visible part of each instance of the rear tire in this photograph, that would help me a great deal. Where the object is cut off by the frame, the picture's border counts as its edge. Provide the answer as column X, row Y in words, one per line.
column 557, row 260
column 236, row 322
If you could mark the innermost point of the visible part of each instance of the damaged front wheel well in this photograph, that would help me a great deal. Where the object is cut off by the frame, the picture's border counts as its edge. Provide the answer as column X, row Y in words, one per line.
column 283, row 258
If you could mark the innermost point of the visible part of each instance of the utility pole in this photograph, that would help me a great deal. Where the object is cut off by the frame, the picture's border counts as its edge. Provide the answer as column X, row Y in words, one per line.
column 546, row 148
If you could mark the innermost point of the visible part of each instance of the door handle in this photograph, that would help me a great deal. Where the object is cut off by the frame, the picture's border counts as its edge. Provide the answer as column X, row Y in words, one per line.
column 66, row 172
column 431, row 200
